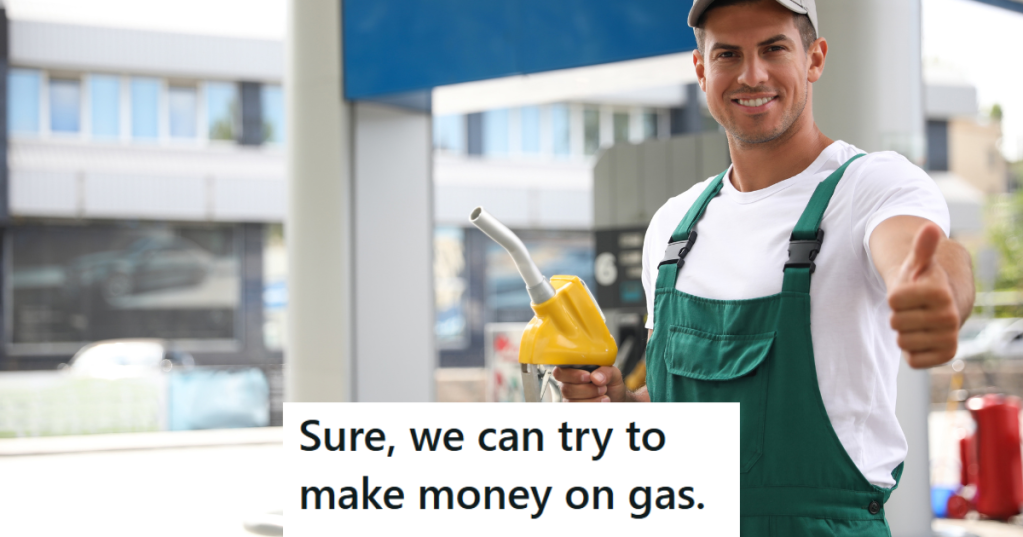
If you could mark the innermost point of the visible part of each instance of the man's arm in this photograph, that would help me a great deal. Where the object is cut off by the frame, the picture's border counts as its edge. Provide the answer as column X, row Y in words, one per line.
column 930, row 287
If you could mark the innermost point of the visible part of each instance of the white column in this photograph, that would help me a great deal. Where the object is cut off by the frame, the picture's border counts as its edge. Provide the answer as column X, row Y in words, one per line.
column 394, row 306
column 318, row 228
column 871, row 95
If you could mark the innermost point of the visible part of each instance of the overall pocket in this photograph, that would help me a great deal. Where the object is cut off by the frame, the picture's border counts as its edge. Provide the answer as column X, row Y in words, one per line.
column 716, row 368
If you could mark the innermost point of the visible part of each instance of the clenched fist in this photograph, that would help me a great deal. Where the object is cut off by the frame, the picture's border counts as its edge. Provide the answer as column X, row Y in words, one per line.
column 923, row 303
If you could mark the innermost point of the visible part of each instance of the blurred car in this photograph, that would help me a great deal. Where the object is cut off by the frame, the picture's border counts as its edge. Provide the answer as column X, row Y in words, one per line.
column 196, row 397
column 989, row 338
column 127, row 357
column 1009, row 343
column 154, row 262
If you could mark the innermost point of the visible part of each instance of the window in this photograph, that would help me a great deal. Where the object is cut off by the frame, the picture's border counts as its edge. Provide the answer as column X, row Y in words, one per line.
column 495, row 132
column 65, row 105
column 560, row 129
column 591, row 131
column 272, row 102
column 222, row 110
column 105, row 105
column 649, row 124
column 23, row 101
column 449, row 133
column 181, row 104
column 530, row 126
column 145, row 108
column 620, row 122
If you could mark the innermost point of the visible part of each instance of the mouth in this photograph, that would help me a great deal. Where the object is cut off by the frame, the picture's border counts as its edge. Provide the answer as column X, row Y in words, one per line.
column 755, row 104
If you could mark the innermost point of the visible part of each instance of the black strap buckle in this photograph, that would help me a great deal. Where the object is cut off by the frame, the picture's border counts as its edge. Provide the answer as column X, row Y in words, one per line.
column 676, row 252
column 802, row 253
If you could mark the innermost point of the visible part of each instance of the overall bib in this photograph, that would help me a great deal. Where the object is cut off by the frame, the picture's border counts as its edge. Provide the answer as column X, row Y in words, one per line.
column 796, row 477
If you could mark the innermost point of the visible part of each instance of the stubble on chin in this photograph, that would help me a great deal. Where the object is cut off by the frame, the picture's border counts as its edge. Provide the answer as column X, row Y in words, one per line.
column 754, row 137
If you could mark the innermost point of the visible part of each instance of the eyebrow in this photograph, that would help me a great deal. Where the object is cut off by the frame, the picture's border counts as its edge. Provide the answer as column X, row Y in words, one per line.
column 764, row 43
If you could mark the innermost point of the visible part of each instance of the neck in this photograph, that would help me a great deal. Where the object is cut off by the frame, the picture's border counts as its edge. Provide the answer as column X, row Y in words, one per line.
column 758, row 166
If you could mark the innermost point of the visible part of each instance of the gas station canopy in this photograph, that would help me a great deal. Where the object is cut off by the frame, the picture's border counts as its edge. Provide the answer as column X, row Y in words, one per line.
column 396, row 47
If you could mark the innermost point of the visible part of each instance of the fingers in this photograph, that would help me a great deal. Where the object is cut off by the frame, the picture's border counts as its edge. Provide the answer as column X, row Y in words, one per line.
column 931, row 291
column 579, row 392
column 917, row 342
column 923, row 320
column 923, row 360
column 579, row 386
column 925, row 245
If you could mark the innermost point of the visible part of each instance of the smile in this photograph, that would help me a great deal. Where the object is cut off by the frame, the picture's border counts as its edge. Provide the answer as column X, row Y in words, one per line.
column 755, row 103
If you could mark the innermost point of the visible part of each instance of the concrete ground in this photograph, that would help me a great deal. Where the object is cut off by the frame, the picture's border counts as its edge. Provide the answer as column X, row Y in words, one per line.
column 204, row 484
column 979, row 528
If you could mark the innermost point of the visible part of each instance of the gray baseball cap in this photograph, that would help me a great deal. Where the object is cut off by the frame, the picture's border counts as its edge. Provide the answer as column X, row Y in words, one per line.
column 803, row 7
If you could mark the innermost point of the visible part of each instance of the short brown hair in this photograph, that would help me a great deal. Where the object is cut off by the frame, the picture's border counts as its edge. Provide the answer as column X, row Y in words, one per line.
column 806, row 31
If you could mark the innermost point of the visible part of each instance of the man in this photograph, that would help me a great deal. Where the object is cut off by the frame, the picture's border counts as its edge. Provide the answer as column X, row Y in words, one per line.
column 803, row 328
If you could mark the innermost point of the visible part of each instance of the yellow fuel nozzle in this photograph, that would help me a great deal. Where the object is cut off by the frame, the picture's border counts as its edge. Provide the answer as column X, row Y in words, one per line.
column 568, row 329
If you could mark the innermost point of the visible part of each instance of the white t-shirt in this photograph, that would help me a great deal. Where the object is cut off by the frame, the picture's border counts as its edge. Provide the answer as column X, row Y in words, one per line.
column 741, row 252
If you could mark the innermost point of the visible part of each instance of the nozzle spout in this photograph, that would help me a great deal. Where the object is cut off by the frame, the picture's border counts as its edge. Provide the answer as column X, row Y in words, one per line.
column 539, row 289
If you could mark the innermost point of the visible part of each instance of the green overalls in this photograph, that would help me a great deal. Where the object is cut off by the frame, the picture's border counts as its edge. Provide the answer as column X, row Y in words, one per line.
column 796, row 477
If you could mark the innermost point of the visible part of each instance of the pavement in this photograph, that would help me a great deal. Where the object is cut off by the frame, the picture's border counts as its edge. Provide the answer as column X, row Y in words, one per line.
column 196, row 483
column 979, row 528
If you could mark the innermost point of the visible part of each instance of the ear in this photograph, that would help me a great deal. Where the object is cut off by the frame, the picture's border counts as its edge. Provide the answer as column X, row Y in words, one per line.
column 700, row 70
column 817, row 55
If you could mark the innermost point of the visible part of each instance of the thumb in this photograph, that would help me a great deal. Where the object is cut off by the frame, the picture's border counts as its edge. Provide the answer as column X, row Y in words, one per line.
column 924, row 247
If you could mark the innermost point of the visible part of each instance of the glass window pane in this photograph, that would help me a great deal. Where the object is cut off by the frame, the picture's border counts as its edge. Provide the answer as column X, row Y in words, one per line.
column 495, row 132
column 560, row 129
column 530, row 125
column 23, row 100
column 591, row 131
column 145, row 108
column 272, row 101
column 449, row 133
column 65, row 105
column 621, row 126
column 649, row 125
column 181, row 103
column 222, row 109
column 105, row 105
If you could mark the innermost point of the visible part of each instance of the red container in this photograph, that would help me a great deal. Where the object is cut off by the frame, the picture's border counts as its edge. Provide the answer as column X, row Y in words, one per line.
column 999, row 468
column 968, row 460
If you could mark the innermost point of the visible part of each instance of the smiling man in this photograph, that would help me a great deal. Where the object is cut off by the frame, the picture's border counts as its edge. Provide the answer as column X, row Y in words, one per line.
column 793, row 282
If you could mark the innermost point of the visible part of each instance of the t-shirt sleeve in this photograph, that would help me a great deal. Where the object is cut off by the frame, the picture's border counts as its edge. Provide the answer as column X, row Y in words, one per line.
column 889, row 185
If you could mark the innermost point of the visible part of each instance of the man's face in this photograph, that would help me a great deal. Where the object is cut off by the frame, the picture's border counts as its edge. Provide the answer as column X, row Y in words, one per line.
column 755, row 71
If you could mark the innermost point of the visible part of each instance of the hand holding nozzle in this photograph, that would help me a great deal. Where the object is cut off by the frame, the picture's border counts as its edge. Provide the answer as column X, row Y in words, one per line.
column 604, row 385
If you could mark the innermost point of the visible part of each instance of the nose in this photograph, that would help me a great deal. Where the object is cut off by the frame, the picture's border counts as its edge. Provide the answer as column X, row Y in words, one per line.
column 754, row 72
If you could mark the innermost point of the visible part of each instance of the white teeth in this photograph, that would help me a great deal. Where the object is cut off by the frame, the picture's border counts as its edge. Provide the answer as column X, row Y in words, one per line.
column 755, row 102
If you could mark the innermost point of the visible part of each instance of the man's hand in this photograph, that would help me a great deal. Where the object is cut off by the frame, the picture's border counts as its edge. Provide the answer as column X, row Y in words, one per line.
column 927, row 308
column 602, row 386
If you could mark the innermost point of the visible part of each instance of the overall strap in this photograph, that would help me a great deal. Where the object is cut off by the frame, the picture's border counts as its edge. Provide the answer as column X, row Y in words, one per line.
column 807, row 237
column 684, row 236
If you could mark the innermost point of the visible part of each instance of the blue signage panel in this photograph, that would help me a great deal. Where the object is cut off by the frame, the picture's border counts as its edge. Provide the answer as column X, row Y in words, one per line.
column 400, row 46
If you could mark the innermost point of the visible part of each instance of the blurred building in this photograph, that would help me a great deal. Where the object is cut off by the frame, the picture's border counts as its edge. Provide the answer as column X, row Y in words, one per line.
column 146, row 178
column 963, row 154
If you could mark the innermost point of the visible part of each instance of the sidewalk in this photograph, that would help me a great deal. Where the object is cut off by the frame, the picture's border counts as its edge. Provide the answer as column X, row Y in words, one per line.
column 197, row 483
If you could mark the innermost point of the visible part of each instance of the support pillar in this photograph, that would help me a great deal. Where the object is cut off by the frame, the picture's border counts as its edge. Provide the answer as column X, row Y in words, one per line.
column 871, row 95
column 393, row 192
column 318, row 228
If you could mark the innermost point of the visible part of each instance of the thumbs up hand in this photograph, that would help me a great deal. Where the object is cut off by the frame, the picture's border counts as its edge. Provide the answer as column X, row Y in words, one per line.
column 924, row 311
